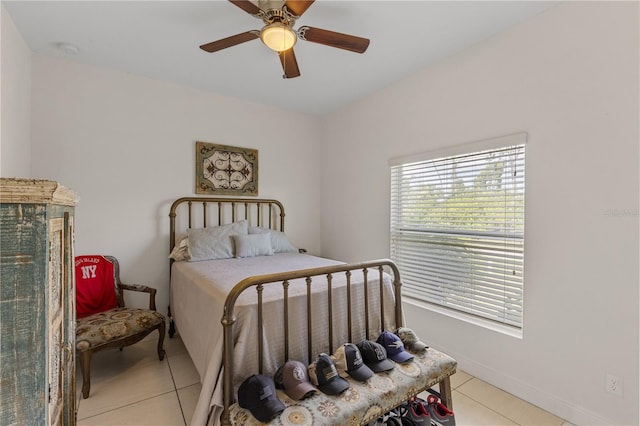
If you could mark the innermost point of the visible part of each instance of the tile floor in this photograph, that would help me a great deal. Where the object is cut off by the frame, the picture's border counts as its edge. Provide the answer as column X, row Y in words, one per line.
column 131, row 387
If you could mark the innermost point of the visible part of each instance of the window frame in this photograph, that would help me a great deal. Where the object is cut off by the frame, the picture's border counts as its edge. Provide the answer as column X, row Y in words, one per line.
column 471, row 315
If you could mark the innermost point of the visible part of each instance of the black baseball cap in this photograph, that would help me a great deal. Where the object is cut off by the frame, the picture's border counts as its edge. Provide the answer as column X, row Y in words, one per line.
column 324, row 375
column 349, row 361
column 258, row 395
column 375, row 356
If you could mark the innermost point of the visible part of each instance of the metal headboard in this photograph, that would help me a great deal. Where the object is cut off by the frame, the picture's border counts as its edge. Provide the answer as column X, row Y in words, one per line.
column 220, row 211
column 212, row 211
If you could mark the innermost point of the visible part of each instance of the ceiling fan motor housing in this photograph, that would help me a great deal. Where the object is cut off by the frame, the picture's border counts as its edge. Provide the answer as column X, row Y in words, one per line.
column 278, row 15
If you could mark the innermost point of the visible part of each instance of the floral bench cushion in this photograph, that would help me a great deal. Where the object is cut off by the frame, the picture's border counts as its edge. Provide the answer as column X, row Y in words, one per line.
column 362, row 402
column 115, row 324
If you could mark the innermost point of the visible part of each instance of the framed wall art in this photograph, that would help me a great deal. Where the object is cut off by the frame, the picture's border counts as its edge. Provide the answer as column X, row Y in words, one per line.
column 226, row 170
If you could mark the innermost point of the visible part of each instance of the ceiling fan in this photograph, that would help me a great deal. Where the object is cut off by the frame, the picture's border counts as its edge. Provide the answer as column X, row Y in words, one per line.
column 278, row 34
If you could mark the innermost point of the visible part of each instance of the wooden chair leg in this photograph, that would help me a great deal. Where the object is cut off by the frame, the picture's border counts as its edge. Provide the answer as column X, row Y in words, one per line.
column 162, row 331
column 85, row 364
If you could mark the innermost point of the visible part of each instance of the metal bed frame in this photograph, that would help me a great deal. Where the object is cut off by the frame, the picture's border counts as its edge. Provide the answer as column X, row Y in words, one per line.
column 270, row 213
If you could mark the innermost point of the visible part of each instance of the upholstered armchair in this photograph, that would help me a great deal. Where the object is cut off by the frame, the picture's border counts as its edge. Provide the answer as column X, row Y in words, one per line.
column 103, row 321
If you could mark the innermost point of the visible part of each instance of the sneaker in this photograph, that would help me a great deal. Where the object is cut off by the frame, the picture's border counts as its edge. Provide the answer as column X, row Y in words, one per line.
column 392, row 418
column 440, row 414
column 414, row 413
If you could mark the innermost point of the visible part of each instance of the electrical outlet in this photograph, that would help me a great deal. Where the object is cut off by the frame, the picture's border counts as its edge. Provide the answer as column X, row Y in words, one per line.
column 613, row 385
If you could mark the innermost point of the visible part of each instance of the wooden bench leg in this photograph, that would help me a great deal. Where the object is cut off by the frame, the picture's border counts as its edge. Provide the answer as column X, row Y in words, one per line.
column 445, row 392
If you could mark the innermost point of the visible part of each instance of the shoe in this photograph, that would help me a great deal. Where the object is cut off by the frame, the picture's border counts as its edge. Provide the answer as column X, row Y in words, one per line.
column 414, row 413
column 440, row 414
column 393, row 421
column 392, row 418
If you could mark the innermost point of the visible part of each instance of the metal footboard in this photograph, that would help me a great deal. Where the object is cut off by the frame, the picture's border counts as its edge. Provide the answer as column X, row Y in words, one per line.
column 312, row 276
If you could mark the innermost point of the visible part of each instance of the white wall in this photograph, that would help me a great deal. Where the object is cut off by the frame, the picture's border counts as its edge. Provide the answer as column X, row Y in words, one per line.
column 126, row 144
column 568, row 77
column 15, row 116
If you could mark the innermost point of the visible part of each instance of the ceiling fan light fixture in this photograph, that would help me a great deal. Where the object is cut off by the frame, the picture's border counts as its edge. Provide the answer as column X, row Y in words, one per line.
column 278, row 37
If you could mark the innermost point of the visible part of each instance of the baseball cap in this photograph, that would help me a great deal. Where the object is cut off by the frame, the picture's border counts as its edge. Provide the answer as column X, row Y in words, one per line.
column 324, row 375
column 410, row 340
column 277, row 378
column 258, row 395
column 295, row 380
column 394, row 347
column 375, row 356
column 348, row 360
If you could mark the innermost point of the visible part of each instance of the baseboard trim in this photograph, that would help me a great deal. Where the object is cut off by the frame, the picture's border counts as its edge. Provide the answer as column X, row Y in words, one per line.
column 542, row 398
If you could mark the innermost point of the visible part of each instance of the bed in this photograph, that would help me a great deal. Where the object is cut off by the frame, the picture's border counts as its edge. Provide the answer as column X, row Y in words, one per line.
column 243, row 315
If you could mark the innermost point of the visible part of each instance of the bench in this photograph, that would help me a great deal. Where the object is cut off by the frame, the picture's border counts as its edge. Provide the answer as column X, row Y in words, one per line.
column 364, row 402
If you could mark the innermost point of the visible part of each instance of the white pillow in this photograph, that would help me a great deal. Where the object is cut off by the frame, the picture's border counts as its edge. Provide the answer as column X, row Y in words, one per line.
column 180, row 251
column 214, row 242
column 252, row 245
column 279, row 240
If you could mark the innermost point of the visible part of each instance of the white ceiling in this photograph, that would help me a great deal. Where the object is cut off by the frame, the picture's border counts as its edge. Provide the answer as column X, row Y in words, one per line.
column 160, row 39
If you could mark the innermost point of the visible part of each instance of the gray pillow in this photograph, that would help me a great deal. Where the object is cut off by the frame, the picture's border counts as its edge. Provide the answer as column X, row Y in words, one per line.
column 253, row 245
column 279, row 240
column 214, row 242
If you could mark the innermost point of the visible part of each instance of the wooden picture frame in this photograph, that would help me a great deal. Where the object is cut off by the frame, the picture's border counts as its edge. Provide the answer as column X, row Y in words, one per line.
column 226, row 170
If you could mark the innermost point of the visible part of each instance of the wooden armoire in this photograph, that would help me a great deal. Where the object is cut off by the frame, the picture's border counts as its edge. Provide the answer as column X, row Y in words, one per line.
column 37, row 303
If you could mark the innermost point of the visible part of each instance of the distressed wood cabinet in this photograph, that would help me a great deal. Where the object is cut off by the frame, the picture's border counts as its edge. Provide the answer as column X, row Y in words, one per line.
column 37, row 303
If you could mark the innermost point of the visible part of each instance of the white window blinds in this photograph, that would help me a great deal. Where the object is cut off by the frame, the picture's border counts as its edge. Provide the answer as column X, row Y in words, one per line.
column 457, row 231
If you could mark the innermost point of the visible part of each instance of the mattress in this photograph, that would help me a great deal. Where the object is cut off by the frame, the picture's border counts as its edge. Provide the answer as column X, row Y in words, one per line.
column 198, row 294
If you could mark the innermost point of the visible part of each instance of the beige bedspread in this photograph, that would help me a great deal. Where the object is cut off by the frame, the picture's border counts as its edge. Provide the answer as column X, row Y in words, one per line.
column 198, row 293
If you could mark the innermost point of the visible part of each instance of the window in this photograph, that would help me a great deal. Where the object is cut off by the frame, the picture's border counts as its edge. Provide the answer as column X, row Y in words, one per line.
column 457, row 228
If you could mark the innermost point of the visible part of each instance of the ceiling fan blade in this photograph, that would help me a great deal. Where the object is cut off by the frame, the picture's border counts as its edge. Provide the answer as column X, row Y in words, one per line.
column 247, row 6
column 334, row 39
column 214, row 46
column 298, row 7
column 289, row 64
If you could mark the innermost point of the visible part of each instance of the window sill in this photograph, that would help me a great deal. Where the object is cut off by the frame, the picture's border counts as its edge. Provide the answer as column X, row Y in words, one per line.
column 489, row 325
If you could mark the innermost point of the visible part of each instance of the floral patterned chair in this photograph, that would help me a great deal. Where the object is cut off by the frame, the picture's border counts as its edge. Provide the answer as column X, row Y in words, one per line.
column 102, row 319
